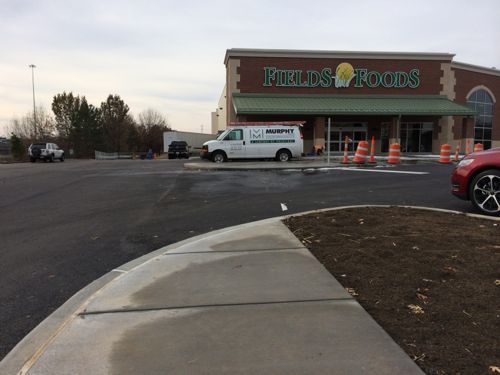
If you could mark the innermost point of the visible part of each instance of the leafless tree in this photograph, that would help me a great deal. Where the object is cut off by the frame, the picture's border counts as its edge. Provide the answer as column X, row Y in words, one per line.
column 150, row 117
column 152, row 124
column 29, row 129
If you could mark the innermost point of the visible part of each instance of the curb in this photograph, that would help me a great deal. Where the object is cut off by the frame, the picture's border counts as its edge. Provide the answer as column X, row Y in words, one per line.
column 208, row 166
column 34, row 343
column 21, row 358
column 477, row 216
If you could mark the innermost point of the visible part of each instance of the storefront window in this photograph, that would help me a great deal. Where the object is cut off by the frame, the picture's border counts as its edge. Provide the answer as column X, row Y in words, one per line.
column 416, row 137
column 481, row 101
column 355, row 131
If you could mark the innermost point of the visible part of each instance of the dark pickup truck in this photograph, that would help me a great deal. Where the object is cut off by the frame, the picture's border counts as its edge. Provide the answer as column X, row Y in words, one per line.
column 178, row 150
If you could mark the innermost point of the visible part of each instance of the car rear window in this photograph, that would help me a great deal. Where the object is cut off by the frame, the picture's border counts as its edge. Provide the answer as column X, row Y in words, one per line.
column 39, row 145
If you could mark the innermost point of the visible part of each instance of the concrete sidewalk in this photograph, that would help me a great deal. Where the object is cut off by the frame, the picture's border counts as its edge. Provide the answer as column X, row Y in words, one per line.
column 250, row 299
column 312, row 162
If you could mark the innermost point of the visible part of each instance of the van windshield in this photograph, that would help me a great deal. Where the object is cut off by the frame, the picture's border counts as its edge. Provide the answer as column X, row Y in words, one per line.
column 223, row 134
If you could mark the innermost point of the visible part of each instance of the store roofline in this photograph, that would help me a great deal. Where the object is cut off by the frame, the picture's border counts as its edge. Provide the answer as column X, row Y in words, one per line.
column 475, row 68
column 340, row 96
column 322, row 54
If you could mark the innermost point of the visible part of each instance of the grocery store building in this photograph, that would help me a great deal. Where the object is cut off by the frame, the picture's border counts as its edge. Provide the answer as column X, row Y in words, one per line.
column 420, row 100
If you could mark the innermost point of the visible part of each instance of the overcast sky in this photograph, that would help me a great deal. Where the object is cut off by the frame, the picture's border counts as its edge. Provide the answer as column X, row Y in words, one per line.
column 168, row 55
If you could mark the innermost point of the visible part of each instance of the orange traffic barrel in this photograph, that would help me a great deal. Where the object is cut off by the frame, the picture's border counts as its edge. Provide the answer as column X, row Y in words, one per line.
column 445, row 154
column 372, row 152
column 394, row 154
column 361, row 153
column 478, row 147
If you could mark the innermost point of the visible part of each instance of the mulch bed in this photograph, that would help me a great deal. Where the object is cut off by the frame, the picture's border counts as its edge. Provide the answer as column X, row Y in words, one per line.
column 430, row 279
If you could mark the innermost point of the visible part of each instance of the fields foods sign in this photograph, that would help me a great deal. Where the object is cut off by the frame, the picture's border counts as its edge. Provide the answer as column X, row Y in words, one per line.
column 345, row 76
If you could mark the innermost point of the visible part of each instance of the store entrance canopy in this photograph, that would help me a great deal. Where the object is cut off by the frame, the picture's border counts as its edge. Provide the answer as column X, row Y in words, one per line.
column 394, row 105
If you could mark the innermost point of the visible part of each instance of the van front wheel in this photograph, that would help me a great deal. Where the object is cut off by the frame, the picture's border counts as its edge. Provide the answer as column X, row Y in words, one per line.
column 283, row 155
column 218, row 157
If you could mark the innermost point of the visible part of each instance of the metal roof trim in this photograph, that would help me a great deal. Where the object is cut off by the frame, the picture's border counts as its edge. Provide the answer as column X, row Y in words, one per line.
column 325, row 54
column 340, row 96
column 475, row 68
column 396, row 105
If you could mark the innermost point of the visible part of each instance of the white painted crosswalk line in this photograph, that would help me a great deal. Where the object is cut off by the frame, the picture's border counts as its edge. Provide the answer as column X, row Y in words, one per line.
column 377, row 170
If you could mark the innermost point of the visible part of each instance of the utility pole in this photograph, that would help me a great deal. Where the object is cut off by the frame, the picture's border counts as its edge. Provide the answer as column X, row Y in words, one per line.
column 33, row 66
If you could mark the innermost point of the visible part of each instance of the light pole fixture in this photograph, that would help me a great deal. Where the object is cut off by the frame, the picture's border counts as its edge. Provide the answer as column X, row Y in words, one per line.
column 33, row 66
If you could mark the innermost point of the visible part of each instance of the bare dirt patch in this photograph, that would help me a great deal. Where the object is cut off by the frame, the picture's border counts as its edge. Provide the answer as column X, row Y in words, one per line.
column 430, row 279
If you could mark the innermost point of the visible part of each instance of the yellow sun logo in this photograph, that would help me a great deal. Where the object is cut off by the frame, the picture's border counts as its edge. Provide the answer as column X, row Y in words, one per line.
column 344, row 74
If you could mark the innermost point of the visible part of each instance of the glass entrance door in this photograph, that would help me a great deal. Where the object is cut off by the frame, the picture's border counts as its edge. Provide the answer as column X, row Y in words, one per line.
column 416, row 136
column 356, row 132
column 384, row 137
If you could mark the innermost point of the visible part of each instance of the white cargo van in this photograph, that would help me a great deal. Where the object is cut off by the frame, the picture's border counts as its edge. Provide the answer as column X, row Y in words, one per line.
column 243, row 140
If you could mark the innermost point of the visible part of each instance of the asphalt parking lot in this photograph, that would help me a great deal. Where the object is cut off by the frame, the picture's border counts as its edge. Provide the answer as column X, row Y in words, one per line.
column 65, row 224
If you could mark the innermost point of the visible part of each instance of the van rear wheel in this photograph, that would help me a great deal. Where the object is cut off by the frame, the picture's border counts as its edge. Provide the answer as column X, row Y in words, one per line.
column 283, row 155
column 218, row 157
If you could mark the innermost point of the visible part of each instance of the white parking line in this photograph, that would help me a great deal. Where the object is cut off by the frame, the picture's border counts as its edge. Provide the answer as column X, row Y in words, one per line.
column 283, row 207
column 377, row 170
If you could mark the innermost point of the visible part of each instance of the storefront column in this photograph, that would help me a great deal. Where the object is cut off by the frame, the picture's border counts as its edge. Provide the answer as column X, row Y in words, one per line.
column 445, row 133
column 467, row 133
column 319, row 131
column 395, row 130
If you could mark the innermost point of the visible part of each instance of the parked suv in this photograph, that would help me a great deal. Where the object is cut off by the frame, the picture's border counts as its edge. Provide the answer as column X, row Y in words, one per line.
column 178, row 149
column 45, row 151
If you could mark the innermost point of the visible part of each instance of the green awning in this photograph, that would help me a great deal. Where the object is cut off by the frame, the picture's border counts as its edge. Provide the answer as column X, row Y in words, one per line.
column 287, row 104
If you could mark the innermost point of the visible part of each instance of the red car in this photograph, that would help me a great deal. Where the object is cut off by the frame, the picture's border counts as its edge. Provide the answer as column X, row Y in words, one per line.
column 477, row 178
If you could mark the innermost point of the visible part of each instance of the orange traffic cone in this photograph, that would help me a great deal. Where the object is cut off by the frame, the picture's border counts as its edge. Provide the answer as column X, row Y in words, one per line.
column 394, row 154
column 346, row 159
column 478, row 147
column 361, row 153
column 444, row 155
column 457, row 151
column 372, row 152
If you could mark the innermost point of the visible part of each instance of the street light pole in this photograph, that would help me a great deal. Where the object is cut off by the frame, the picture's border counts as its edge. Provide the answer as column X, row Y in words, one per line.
column 33, row 66
column 328, row 140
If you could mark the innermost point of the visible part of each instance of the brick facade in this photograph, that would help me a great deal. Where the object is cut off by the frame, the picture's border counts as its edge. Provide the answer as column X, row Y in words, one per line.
column 251, row 71
column 466, row 81
column 438, row 75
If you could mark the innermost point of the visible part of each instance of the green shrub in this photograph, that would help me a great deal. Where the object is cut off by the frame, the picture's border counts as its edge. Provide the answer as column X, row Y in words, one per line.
column 16, row 147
